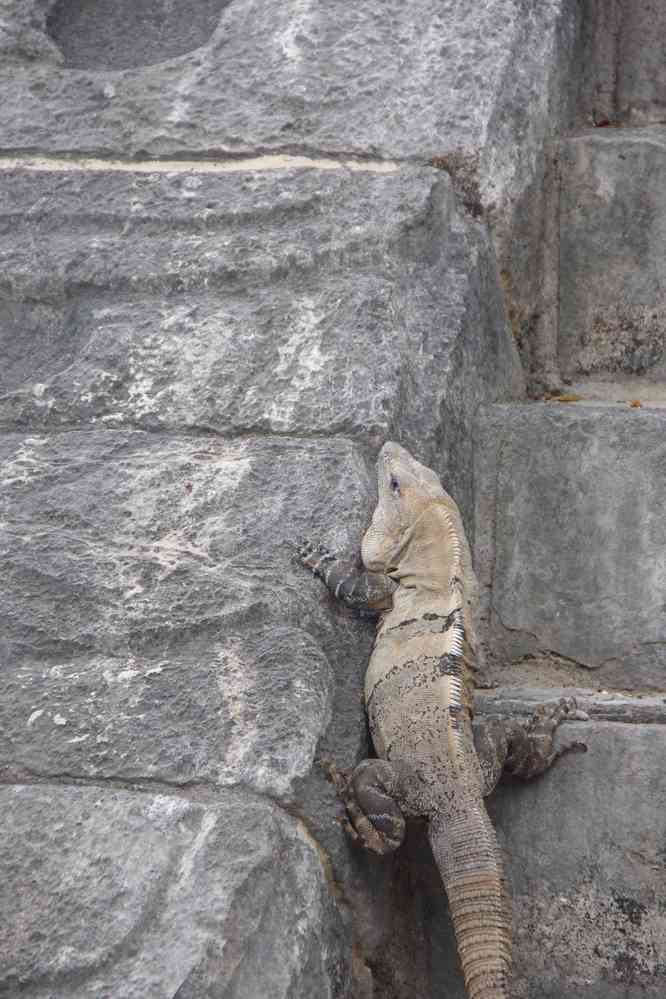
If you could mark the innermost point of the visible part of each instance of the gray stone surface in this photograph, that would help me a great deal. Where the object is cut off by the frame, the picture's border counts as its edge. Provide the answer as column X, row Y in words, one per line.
column 112, row 35
column 585, row 848
column 288, row 301
column 153, row 624
column 106, row 893
column 612, row 259
column 617, row 391
column 571, row 539
column 23, row 33
column 623, row 69
column 476, row 85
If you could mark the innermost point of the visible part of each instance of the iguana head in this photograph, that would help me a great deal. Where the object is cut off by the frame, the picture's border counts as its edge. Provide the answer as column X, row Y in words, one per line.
column 406, row 489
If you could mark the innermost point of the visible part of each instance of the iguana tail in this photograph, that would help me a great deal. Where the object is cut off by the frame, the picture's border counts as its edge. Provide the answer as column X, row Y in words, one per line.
column 465, row 848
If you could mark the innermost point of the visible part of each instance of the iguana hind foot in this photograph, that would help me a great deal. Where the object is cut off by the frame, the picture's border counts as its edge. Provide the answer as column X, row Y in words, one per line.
column 532, row 749
column 524, row 748
column 374, row 818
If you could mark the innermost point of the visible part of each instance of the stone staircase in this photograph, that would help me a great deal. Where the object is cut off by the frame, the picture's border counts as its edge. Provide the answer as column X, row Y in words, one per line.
column 570, row 546
column 571, row 550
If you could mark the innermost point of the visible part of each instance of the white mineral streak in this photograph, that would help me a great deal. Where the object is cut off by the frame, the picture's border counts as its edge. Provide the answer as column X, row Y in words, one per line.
column 92, row 164
column 300, row 16
column 25, row 463
column 208, row 823
column 301, row 363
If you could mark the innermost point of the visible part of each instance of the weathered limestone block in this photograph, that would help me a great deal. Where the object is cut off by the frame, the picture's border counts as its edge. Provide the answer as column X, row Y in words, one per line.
column 571, row 539
column 475, row 84
column 288, row 301
column 153, row 624
column 106, row 893
column 612, row 260
column 585, row 846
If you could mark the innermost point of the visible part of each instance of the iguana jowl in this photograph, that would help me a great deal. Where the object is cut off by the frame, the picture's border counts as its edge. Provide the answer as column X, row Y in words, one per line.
column 418, row 694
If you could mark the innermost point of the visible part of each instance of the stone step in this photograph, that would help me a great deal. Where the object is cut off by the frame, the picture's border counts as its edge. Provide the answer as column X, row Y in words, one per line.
column 413, row 81
column 599, row 705
column 618, row 391
column 254, row 300
column 570, row 543
column 584, row 846
column 612, row 261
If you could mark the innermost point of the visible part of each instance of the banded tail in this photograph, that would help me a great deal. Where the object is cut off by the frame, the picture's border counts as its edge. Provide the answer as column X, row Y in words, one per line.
column 465, row 848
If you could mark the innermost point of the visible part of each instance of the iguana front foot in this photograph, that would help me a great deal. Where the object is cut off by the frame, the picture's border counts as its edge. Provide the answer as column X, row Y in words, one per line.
column 532, row 745
column 315, row 557
column 361, row 590
column 374, row 819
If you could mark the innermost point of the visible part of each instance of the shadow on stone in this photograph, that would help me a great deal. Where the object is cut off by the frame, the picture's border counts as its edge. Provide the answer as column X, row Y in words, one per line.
column 122, row 34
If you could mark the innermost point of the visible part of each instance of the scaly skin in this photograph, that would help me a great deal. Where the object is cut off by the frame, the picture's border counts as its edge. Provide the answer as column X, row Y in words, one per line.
column 418, row 694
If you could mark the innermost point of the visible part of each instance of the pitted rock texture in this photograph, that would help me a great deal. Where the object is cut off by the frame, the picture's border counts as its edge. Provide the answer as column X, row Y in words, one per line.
column 600, row 705
column 612, row 237
column 571, row 540
column 153, row 623
column 300, row 301
column 389, row 79
column 106, row 893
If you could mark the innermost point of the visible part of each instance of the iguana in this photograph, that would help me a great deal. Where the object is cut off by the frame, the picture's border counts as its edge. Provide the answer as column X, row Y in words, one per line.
column 418, row 695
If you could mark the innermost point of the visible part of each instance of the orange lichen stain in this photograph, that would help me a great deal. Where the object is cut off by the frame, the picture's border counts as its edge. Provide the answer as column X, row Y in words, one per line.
column 635, row 403
column 567, row 397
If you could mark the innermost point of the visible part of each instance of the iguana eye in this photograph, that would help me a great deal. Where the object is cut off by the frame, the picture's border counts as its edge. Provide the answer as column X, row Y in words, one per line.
column 395, row 485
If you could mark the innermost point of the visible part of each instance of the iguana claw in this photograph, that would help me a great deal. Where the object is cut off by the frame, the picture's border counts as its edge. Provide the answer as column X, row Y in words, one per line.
column 314, row 556
column 533, row 750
